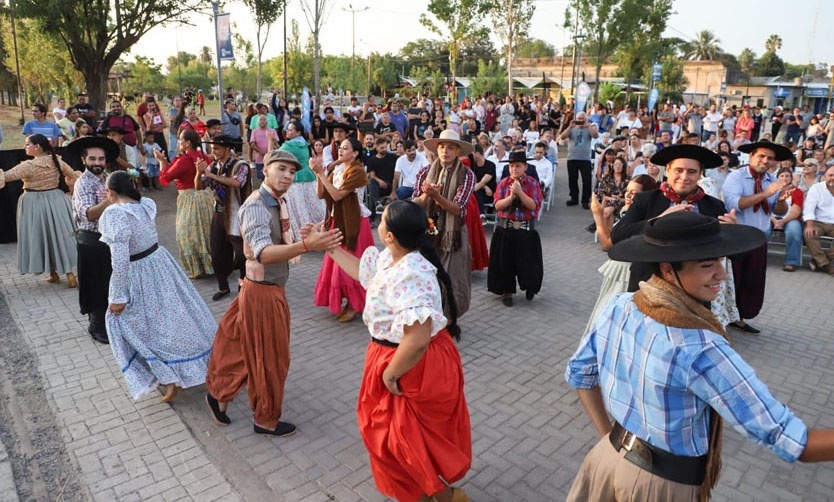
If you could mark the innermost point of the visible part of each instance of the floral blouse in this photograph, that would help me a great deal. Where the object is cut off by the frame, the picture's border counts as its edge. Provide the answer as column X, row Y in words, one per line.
column 399, row 294
column 128, row 228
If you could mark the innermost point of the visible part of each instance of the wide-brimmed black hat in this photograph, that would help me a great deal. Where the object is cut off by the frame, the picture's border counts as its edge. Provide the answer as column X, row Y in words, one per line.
column 707, row 158
column 686, row 236
column 111, row 149
column 516, row 157
column 105, row 128
column 225, row 140
column 781, row 152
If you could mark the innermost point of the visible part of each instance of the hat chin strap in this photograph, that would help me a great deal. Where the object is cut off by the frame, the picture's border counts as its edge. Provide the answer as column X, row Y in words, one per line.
column 680, row 285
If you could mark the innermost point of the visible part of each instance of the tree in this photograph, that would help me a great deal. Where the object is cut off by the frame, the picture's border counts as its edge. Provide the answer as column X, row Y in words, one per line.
column 635, row 57
column 704, row 48
column 45, row 65
column 97, row 32
column 266, row 12
column 489, row 79
column 430, row 54
column 534, row 48
column 672, row 81
column 773, row 43
column 609, row 23
column 145, row 76
column 458, row 22
column 316, row 17
column 747, row 60
column 511, row 19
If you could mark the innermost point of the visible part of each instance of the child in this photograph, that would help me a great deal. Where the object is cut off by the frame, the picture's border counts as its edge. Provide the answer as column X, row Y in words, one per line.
column 151, row 162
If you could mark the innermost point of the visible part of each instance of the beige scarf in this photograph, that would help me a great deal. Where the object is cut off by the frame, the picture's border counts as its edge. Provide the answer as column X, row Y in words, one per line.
column 448, row 224
column 671, row 306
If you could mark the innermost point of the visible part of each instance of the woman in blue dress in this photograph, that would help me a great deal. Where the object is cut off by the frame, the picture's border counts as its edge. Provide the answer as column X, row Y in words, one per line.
column 160, row 329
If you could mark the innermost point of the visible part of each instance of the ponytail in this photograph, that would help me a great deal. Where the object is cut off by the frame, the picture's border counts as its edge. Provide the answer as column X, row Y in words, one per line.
column 429, row 252
column 121, row 183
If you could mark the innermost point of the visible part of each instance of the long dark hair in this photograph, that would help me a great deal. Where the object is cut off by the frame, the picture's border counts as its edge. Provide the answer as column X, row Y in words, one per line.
column 408, row 222
column 121, row 183
column 46, row 146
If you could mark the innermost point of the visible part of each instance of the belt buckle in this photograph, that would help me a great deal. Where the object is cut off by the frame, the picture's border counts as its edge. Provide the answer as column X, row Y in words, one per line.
column 628, row 444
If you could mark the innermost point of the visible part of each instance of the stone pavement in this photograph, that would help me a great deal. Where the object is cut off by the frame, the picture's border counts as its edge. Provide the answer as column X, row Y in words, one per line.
column 529, row 432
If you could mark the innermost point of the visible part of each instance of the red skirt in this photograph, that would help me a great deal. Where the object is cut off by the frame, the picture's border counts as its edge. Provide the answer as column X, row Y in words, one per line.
column 477, row 238
column 334, row 284
column 424, row 435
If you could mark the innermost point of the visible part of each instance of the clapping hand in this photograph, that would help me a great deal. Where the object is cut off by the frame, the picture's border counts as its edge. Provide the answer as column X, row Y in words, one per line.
column 431, row 189
column 317, row 165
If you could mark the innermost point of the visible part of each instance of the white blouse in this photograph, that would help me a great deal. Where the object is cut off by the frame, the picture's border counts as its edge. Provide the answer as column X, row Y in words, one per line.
column 399, row 294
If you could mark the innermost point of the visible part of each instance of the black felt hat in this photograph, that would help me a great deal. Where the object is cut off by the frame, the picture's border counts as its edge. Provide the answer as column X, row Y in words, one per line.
column 225, row 140
column 111, row 149
column 707, row 158
column 517, row 157
column 781, row 152
column 345, row 127
column 686, row 236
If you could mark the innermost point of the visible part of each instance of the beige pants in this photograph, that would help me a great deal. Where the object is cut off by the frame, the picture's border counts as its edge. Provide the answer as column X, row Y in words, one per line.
column 815, row 246
column 606, row 476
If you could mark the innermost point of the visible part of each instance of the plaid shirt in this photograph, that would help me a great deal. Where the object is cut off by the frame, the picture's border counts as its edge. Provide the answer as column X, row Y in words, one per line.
column 531, row 188
column 88, row 191
column 659, row 383
column 462, row 194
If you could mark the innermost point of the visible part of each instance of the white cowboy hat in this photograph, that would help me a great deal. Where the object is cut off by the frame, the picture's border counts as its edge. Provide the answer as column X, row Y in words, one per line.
column 449, row 136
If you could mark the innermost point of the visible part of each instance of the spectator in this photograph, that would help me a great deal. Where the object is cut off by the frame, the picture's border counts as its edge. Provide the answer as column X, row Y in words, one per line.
column 580, row 134
column 39, row 125
column 818, row 213
column 406, row 169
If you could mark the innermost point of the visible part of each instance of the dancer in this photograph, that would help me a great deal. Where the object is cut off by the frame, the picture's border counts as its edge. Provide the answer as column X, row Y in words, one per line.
column 160, row 329
column 89, row 199
column 252, row 345
column 412, row 412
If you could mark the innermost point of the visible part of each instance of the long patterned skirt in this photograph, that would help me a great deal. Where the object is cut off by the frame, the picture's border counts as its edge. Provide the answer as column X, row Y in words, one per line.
column 194, row 208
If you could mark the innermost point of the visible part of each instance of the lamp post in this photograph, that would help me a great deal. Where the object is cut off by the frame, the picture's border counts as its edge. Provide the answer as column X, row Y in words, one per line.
column 353, row 28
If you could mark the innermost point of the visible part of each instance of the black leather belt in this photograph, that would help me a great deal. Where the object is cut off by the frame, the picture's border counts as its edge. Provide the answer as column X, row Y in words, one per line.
column 88, row 238
column 518, row 225
column 385, row 343
column 145, row 253
column 677, row 468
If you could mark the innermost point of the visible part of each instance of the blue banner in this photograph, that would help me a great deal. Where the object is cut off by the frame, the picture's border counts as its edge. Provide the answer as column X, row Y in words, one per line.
column 653, row 98
column 305, row 109
column 583, row 92
column 657, row 69
column 224, row 38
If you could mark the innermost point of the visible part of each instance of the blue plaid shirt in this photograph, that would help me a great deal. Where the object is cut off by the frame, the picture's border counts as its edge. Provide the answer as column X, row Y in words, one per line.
column 659, row 383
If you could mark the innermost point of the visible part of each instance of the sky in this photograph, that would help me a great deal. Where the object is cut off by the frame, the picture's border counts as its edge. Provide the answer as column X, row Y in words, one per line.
column 387, row 25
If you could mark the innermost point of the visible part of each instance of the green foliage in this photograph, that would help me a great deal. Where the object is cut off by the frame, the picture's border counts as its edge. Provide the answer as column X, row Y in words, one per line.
column 797, row 70
column 747, row 62
column 704, row 48
column 45, row 67
column 770, row 65
column 97, row 32
column 610, row 23
column 511, row 22
column 491, row 77
column 609, row 92
column 384, row 73
column 634, row 57
column 672, row 81
column 773, row 43
column 145, row 75
column 457, row 21
column 535, row 48
column 265, row 13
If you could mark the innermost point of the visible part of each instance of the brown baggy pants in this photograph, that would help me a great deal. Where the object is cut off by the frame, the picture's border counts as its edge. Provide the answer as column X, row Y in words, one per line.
column 252, row 348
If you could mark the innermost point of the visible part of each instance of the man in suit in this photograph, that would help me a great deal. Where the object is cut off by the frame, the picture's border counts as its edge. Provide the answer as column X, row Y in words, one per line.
column 685, row 165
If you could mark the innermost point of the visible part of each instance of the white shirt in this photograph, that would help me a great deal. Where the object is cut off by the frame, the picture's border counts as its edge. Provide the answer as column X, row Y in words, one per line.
column 408, row 170
column 544, row 168
column 711, row 120
column 399, row 294
column 819, row 204
column 629, row 124
column 499, row 166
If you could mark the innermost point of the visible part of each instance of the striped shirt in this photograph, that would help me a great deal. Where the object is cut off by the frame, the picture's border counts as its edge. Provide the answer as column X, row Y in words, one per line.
column 659, row 383
column 89, row 191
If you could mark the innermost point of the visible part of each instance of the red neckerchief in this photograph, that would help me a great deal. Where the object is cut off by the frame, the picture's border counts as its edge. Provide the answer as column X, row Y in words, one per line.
column 334, row 150
column 693, row 197
column 757, row 188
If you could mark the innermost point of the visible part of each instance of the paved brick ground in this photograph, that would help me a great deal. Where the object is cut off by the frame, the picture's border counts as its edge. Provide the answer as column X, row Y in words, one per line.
column 529, row 432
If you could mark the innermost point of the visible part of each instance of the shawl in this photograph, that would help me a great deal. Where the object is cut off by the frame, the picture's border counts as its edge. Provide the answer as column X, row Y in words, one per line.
column 672, row 306
column 448, row 225
column 345, row 214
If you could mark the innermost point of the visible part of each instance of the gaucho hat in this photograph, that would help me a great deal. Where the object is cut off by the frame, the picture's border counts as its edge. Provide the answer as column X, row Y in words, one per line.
column 706, row 157
column 111, row 149
column 781, row 152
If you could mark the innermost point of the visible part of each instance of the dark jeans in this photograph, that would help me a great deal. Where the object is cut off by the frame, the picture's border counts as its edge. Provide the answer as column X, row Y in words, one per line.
column 575, row 167
column 375, row 192
column 404, row 192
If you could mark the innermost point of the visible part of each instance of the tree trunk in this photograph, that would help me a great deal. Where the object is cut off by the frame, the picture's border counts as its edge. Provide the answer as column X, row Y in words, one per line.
column 317, row 71
column 597, row 69
column 95, row 76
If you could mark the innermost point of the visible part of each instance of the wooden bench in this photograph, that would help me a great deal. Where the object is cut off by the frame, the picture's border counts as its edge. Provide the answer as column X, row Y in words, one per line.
column 777, row 246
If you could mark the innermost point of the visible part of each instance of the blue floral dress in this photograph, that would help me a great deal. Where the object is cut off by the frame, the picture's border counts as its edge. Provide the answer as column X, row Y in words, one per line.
column 165, row 332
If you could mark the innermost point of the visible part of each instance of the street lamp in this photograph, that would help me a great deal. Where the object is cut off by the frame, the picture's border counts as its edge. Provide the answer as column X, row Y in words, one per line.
column 353, row 27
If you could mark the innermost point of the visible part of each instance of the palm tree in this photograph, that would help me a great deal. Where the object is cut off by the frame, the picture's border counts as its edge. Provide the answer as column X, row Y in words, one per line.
column 773, row 43
column 704, row 47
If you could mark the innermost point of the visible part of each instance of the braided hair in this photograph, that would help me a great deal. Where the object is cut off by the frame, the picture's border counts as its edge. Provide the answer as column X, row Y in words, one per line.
column 408, row 222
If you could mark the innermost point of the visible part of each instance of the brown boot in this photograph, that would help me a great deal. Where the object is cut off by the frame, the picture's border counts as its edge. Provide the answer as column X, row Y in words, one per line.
column 71, row 281
column 53, row 277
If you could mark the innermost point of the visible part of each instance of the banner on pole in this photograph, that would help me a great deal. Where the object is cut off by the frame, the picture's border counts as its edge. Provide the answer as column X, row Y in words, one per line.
column 657, row 70
column 224, row 37
column 653, row 98
column 306, row 105
column 583, row 92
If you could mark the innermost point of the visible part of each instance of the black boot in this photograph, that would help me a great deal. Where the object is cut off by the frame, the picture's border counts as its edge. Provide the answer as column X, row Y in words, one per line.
column 97, row 328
